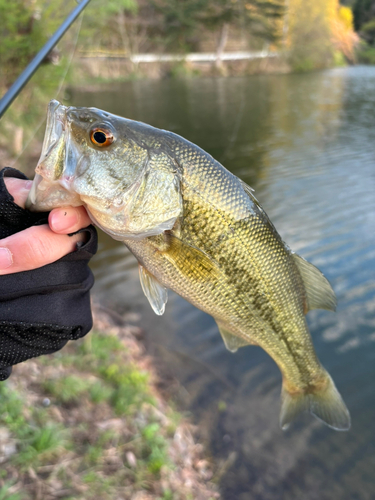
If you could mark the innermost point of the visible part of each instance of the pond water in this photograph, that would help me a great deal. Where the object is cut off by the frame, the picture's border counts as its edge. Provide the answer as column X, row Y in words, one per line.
column 306, row 144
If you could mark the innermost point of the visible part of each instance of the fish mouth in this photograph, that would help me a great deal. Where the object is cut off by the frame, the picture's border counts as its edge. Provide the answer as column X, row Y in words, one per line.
column 48, row 191
column 55, row 128
column 31, row 199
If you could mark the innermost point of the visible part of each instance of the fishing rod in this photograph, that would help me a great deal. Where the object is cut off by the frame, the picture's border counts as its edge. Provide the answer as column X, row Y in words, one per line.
column 28, row 72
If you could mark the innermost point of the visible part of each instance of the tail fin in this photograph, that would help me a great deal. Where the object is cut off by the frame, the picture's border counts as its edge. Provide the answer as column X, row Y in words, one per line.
column 325, row 404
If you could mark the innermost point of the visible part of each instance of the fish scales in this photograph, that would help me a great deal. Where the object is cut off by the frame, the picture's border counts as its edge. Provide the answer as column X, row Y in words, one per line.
column 196, row 228
column 283, row 324
column 259, row 276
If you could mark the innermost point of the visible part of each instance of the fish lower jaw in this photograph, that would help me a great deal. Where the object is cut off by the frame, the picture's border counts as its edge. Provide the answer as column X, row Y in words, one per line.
column 46, row 195
column 120, row 226
column 121, row 235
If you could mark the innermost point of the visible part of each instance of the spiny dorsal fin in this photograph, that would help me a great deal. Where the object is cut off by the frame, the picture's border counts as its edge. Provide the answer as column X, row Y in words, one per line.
column 248, row 189
column 156, row 293
column 232, row 342
column 319, row 293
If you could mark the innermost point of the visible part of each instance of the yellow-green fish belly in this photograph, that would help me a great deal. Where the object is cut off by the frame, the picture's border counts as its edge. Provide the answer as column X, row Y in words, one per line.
column 248, row 282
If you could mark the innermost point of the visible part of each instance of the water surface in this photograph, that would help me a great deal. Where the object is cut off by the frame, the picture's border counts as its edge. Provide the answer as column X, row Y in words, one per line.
column 306, row 144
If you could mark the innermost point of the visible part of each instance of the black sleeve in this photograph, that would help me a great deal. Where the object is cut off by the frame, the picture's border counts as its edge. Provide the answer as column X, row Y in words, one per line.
column 40, row 310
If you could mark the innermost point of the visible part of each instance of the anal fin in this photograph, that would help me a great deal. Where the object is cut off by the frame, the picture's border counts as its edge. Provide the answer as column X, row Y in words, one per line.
column 231, row 341
column 155, row 292
column 319, row 293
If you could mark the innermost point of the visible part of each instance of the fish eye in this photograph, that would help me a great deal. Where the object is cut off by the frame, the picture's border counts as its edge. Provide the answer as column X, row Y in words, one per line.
column 101, row 137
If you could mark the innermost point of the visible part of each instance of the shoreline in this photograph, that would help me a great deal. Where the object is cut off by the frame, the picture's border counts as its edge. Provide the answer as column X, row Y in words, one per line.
column 112, row 69
column 91, row 422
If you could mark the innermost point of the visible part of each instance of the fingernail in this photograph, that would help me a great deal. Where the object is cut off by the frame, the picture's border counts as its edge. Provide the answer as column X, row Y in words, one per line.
column 63, row 220
column 6, row 258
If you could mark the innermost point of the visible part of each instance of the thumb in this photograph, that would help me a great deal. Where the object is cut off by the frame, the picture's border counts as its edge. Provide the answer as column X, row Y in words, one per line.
column 19, row 189
column 35, row 247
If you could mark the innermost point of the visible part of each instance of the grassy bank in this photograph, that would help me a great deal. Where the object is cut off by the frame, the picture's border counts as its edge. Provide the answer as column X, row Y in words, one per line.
column 89, row 423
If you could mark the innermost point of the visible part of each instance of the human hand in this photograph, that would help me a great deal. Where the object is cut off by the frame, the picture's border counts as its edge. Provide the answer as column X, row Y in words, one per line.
column 37, row 246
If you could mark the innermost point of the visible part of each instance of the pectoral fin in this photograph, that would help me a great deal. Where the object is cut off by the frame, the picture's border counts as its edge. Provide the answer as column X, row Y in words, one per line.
column 191, row 261
column 319, row 293
column 156, row 293
column 232, row 342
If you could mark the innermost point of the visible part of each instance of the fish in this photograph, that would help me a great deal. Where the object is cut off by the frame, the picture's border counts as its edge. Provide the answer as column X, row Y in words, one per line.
column 197, row 229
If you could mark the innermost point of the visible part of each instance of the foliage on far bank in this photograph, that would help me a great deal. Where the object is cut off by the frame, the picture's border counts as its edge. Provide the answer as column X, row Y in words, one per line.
column 308, row 35
column 310, row 30
column 20, row 33
column 366, row 53
column 319, row 30
column 364, row 24
column 24, row 28
column 181, row 23
column 88, row 423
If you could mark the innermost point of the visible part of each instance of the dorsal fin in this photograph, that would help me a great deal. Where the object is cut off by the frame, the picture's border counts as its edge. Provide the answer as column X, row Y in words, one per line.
column 248, row 189
column 319, row 293
column 250, row 193
column 231, row 341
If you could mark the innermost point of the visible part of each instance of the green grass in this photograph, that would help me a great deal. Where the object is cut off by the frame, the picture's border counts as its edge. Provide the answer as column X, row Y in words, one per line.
column 37, row 440
column 42, row 444
column 100, row 348
column 155, row 447
column 100, row 392
column 99, row 486
column 92, row 382
column 124, row 387
column 129, row 388
column 67, row 389
column 5, row 494
column 11, row 408
column 94, row 452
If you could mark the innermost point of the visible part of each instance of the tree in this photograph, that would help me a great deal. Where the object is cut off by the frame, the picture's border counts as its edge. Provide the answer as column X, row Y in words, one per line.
column 182, row 21
column 344, row 38
column 364, row 11
column 179, row 22
column 20, row 34
column 368, row 32
column 106, row 27
column 318, row 30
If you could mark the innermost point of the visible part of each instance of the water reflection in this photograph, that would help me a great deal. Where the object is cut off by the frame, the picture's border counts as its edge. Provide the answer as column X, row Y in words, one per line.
column 306, row 144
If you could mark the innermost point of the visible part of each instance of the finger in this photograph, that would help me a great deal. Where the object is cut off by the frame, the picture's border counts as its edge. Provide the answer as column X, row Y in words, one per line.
column 34, row 247
column 67, row 220
column 64, row 220
column 19, row 189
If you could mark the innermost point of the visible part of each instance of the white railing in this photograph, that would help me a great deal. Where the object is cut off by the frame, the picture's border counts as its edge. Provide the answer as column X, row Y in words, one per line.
column 200, row 56
column 193, row 57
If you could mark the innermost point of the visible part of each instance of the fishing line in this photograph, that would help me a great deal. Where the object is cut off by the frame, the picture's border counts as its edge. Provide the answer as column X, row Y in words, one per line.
column 59, row 88
column 237, row 125
column 72, row 54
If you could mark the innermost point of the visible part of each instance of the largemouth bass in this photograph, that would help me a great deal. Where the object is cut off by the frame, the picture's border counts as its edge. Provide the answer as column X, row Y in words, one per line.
column 197, row 229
